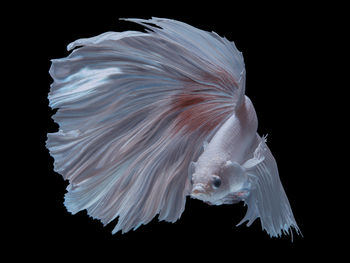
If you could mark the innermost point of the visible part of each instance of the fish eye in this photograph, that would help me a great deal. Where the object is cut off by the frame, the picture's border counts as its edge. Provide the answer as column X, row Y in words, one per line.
column 217, row 182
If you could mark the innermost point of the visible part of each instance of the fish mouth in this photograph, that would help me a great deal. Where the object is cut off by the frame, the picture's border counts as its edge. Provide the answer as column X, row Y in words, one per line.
column 199, row 191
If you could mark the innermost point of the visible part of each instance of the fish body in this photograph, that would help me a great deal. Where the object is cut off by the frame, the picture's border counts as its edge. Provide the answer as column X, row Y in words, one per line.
column 148, row 119
column 229, row 147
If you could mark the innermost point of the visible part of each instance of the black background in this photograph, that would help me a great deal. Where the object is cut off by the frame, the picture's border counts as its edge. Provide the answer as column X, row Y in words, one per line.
column 277, row 42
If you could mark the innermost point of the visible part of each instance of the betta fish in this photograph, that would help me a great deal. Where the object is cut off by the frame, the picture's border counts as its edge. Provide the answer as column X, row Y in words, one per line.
column 149, row 118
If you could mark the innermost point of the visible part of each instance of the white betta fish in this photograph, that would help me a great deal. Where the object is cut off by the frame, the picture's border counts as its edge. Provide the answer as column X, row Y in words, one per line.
column 149, row 118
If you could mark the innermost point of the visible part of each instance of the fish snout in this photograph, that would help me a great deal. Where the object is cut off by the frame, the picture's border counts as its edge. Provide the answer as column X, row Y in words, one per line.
column 199, row 190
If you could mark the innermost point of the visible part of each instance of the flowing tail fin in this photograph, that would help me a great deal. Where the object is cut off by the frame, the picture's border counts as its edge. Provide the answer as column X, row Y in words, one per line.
column 134, row 110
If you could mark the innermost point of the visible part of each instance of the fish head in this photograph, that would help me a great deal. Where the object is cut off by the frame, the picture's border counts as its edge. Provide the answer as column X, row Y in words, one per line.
column 214, row 183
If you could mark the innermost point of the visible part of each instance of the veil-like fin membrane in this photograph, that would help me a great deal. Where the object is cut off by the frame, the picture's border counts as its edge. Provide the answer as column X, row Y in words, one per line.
column 267, row 199
column 134, row 110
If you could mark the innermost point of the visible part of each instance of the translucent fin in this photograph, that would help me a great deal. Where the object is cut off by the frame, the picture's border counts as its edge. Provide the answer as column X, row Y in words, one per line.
column 267, row 199
column 134, row 110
